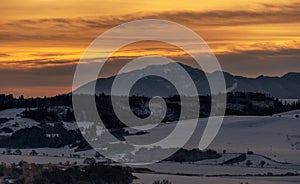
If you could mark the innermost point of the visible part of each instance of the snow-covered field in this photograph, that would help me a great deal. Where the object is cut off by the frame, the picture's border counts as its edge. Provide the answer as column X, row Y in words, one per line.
column 210, row 170
column 46, row 155
column 273, row 139
column 277, row 136
column 176, row 179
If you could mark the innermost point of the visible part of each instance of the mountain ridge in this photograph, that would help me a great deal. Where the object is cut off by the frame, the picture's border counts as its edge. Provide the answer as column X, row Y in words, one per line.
column 286, row 86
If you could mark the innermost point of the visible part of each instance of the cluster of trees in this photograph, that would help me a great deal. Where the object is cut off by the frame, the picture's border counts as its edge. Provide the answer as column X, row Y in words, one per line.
column 257, row 104
column 36, row 137
column 43, row 114
column 11, row 152
column 183, row 155
column 140, row 105
column 9, row 101
column 242, row 158
column 96, row 173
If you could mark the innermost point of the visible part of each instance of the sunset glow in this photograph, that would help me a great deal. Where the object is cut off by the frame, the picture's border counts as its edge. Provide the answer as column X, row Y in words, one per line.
column 41, row 41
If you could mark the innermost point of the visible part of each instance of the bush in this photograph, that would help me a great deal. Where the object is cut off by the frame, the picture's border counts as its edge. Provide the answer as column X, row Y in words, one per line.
column 250, row 152
column 162, row 182
column 249, row 163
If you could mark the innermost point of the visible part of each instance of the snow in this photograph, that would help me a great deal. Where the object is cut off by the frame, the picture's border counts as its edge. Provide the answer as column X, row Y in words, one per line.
column 47, row 155
column 16, row 123
column 176, row 179
column 10, row 113
column 275, row 137
column 208, row 170
column 291, row 114
column 289, row 101
column 70, row 125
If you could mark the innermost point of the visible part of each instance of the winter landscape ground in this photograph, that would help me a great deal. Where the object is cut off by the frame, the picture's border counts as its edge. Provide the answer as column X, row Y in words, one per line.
column 244, row 142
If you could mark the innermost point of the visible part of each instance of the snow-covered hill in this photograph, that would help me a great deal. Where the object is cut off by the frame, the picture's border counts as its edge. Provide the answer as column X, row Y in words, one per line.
column 11, row 122
column 20, row 131
column 274, row 140
column 277, row 137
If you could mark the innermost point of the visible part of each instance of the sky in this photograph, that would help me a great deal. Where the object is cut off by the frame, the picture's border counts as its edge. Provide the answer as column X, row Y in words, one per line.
column 41, row 41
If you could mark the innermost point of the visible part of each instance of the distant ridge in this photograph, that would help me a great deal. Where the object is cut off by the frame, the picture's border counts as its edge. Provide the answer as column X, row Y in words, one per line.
column 285, row 87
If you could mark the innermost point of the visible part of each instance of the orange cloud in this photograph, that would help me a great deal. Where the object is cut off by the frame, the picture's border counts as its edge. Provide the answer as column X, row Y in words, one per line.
column 43, row 38
column 225, row 31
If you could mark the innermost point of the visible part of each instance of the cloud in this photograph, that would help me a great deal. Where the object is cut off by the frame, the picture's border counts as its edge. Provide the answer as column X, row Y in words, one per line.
column 247, row 63
column 54, row 79
column 286, row 7
column 37, row 63
column 247, row 42
column 46, row 76
column 4, row 55
column 257, row 62
column 76, row 29
column 51, row 54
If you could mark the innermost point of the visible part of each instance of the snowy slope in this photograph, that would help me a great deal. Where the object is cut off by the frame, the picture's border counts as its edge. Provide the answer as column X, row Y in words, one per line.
column 290, row 114
column 275, row 137
column 15, row 122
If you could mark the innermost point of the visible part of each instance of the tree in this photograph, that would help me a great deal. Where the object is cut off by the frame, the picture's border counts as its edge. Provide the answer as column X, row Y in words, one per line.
column 262, row 164
column 18, row 152
column 250, row 152
column 248, row 163
column 33, row 153
column 69, row 116
column 8, row 151
column 98, row 155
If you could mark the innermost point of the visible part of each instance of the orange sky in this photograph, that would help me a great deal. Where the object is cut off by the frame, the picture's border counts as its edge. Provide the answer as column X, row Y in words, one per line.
column 42, row 40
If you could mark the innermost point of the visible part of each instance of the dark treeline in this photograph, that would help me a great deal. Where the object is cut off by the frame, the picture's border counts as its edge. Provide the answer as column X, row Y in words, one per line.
column 26, row 173
column 9, row 101
column 249, row 103
column 238, row 103
column 257, row 104
column 194, row 155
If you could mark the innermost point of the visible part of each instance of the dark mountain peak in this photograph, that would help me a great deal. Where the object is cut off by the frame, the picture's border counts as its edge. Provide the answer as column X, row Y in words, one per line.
column 291, row 75
column 261, row 76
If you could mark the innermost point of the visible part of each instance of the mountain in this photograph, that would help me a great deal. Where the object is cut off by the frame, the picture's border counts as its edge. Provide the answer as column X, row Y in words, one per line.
column 285, row 87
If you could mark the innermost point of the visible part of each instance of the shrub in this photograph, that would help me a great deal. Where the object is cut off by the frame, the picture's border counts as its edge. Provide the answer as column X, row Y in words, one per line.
column 162, row 182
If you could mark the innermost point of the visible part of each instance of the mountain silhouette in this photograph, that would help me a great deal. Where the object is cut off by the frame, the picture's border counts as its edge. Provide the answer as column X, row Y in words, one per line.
column 285, row 87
